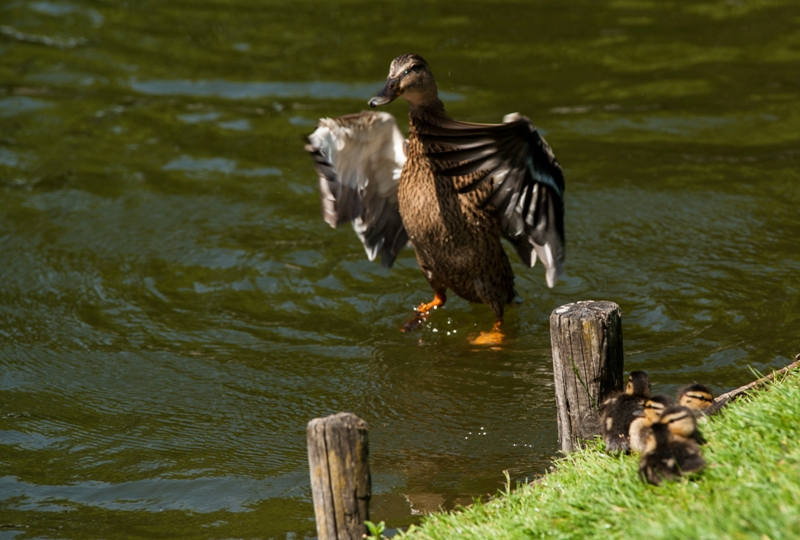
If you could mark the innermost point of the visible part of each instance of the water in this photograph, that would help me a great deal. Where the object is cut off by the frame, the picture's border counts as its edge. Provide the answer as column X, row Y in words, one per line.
column 173, row 309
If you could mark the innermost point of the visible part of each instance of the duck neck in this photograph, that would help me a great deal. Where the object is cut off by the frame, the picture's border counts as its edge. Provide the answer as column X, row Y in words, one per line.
column 427, row 113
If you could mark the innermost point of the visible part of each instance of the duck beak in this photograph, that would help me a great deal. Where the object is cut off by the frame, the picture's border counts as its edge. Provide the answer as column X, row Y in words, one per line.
column 638, row 413
column 387, row 95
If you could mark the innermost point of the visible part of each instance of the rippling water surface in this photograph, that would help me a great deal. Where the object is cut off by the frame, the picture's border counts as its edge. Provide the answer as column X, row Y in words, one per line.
column 173, row 309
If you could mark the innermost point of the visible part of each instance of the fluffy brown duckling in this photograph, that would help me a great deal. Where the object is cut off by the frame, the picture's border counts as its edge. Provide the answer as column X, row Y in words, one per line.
column 670, row 451
column 453, row 189
column 697, row 397
column 640, row 427
column 619, row 411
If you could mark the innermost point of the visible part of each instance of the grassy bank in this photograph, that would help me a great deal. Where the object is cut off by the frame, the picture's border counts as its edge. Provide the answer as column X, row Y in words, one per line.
column 750, row 488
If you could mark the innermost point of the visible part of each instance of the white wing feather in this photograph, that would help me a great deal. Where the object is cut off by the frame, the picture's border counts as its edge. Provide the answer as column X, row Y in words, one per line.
column 359, row 159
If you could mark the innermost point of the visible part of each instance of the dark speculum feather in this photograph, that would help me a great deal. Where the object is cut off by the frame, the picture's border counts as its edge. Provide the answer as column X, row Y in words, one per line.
column 526, row 204
column 465, row 152
column 502, row 199
column 488, row 163
column 458, row 141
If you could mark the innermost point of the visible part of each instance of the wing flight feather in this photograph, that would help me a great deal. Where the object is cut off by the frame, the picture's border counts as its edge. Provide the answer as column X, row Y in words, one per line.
column 527, row 182
column 359, row 158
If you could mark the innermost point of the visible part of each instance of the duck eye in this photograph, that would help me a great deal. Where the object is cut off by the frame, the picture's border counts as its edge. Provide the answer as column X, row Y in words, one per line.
column 405, row 72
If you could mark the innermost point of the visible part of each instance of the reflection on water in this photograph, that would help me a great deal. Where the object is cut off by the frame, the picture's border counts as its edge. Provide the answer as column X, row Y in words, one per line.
column 253, row 90
column 256, row 90
column 195, row 167
column 13, row 106
column 672, row 126
column 203, row 495
column 173, row 310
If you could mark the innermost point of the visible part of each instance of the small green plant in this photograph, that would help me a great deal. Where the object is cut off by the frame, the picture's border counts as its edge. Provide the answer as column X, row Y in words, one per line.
column 586, row 388
column 375, row 531
column 507, row 492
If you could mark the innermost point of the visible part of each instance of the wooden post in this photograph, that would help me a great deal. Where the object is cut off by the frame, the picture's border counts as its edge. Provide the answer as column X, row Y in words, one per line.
column 587, row 366
column 338, row 455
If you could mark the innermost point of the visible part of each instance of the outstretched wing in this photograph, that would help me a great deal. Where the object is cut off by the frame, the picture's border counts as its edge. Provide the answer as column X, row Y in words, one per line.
column 527, row 183
column 359, row 158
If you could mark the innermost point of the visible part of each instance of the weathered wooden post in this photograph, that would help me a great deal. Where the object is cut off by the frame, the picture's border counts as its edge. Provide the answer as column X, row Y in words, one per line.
column 338, row 455
column 587, row 366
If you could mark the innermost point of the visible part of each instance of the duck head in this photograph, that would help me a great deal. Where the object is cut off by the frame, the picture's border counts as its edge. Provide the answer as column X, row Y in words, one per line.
column 679, row 420
column 654, row 407
column 696, row 396
column 638, row 384
column 410, row 77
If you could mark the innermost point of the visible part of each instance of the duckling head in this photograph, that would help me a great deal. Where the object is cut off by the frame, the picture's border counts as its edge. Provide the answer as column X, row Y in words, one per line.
column 654, row 407
column 696, row 396
column 410, row 77
column 679, row 420
column 638, row 384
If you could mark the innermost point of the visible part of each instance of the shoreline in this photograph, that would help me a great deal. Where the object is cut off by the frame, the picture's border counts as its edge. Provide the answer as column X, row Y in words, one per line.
column 753, row 452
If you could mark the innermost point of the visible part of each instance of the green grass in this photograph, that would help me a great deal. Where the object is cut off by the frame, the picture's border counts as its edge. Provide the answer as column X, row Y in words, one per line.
column 750, row 488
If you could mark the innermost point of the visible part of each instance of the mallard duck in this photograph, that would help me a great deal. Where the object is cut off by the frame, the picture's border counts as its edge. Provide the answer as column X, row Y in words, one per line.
column 696, row 396
column 670, row 451
column 452, row 189
column 640, row 427
column 618, row 412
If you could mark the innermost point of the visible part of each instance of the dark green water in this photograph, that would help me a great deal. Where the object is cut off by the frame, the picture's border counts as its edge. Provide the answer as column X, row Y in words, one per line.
column 173, row 309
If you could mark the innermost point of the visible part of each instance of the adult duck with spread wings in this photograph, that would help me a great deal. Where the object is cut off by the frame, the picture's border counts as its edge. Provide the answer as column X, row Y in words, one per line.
column 452, row 189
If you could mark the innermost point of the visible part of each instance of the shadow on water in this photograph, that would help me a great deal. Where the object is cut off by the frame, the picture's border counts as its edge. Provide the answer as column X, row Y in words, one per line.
column 173, row 310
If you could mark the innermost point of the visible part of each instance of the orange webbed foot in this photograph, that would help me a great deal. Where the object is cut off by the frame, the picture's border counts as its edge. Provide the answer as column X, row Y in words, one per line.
column 493, row 337
column 423, row 311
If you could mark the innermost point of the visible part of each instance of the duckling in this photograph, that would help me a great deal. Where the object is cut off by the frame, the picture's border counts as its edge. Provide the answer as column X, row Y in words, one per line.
column 619, row 411
column 452, row 189
column 640, row 427
column 697, row 397
column 670, row 452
